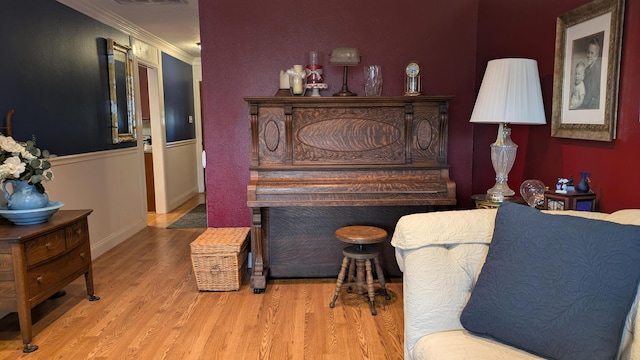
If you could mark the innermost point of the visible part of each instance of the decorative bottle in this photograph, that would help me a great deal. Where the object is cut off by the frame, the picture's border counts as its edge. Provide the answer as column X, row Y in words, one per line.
column 583, row 185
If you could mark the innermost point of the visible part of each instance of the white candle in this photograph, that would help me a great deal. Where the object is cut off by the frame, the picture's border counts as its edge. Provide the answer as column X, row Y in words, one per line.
column 297, row 84
column 284, row 80
column 296, row 79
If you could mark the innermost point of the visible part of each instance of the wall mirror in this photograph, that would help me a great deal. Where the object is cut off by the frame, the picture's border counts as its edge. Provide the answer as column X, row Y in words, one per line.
column 123, row 124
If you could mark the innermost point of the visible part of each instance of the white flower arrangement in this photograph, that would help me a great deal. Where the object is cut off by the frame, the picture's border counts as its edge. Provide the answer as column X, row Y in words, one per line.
column 24, row 161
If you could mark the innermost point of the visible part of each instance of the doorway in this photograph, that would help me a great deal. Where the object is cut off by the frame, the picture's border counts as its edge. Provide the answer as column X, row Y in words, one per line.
column 158, row 156
column 146, row 138
column 152, row 137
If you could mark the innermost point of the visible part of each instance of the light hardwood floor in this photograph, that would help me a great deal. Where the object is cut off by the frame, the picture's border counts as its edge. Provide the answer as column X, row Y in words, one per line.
column 150, row 308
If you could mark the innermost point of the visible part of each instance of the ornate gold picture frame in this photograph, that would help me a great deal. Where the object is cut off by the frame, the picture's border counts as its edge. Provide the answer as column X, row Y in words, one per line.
column 586, row 72
column 121, row 92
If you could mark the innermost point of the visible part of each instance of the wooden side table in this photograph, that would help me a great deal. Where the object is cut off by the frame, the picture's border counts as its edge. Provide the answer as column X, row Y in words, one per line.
column 38, row 260
column 485, row 202
column 571, row 200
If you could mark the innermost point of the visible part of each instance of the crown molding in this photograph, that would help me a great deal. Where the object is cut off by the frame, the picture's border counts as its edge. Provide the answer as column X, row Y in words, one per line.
column 116, row 21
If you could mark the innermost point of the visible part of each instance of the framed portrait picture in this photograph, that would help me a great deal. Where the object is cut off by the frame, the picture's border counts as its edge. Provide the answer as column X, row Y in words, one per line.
column 586, row 71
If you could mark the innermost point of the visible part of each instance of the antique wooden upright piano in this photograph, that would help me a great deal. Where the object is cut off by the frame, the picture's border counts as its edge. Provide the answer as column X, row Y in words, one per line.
column 314, row 157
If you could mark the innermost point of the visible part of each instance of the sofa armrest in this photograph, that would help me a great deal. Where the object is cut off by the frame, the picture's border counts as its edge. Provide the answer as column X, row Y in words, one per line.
column 440, row 255
column 444, row 228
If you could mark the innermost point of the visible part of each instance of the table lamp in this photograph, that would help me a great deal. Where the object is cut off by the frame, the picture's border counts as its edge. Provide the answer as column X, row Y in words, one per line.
column 345, row 57
column 510, row 94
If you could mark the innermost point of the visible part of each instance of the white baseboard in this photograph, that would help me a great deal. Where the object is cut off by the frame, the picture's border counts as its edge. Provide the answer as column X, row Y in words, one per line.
column 100, row 247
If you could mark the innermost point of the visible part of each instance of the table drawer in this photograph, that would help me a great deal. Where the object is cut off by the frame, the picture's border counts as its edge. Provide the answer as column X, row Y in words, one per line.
column 50, row 275
column 45, row 247
column 76, row 233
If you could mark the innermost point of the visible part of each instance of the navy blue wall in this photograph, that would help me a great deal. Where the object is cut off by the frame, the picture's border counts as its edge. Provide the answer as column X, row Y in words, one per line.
column 177, row 80
column 53, row 73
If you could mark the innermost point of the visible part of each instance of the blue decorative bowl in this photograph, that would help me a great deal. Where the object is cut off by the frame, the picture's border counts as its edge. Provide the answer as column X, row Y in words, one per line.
column 30, row 216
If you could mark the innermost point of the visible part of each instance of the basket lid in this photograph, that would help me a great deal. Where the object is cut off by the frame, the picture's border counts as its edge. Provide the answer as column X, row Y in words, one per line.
column 220, row 240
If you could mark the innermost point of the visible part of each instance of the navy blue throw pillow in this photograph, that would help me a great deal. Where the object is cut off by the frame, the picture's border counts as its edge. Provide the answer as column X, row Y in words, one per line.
column 557, row 286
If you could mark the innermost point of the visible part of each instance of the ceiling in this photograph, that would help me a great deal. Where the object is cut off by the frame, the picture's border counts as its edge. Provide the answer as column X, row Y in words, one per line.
column 173, row 21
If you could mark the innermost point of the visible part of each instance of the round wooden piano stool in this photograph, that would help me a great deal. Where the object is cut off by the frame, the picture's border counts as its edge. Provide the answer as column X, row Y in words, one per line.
column 358, row 258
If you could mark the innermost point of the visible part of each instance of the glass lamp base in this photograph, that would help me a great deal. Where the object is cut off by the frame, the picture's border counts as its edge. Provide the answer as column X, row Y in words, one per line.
column 503, row 155
column 500, row 191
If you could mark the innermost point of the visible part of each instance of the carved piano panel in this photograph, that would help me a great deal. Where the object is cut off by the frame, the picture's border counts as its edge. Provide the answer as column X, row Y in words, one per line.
column 429, row 135
column 271, row 141
column 354, row 151
column 348, row 136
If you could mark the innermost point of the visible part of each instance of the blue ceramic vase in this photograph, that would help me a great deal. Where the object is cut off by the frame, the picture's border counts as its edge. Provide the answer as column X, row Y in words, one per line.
column 583, row 185
column 24, row 196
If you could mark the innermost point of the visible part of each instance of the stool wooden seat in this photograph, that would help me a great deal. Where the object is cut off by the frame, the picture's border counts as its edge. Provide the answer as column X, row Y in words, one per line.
column 361, row 235
column 358, row 258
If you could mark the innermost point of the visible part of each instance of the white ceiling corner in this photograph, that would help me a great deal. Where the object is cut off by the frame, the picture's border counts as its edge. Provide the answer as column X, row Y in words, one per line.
column 168, row 24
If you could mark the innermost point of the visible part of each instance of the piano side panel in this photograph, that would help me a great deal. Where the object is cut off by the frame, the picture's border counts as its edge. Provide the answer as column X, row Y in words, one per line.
column 427, row 134
column 272, row 145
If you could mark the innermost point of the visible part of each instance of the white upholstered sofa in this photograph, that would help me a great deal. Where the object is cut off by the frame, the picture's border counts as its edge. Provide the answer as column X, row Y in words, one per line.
column 441, row 255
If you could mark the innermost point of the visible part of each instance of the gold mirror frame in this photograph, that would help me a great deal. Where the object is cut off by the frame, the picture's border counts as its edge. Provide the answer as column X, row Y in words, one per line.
column 117, row 52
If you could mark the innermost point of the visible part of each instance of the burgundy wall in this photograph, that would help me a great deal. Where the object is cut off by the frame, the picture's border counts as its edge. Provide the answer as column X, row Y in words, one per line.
column 245, row 44
column 509, row 28
column 244, row 47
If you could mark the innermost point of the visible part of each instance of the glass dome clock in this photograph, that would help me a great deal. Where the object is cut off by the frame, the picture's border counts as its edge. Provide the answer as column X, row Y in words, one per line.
column 412, row 83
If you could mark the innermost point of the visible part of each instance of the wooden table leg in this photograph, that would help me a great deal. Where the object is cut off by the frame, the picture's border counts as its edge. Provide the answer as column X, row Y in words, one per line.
column 24, row 307
column 88, row 279
column 260, row 266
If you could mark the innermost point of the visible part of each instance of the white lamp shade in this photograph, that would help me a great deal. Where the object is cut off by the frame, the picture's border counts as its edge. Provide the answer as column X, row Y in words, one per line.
column 510, row 93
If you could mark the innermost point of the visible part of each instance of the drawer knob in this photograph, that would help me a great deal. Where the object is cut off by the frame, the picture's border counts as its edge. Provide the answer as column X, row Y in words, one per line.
column 39, row 279
column 83, row 255
column 47, row 245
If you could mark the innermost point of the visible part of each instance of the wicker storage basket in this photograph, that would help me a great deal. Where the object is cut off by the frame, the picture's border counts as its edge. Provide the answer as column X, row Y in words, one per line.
column 219, row 258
